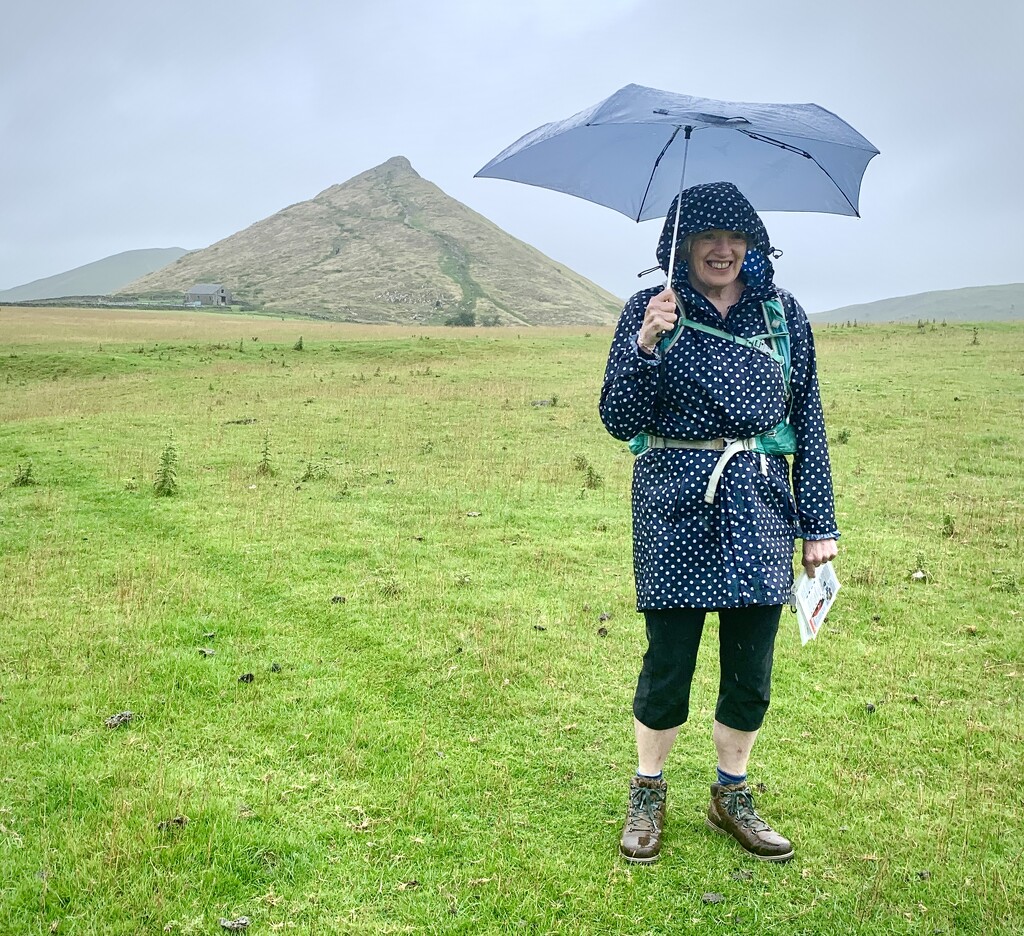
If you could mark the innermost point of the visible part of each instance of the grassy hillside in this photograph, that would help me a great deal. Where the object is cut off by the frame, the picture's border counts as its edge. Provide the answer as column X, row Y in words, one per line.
column 389, row 246
column 971, row 304
column 95, row 279
column 379, row 647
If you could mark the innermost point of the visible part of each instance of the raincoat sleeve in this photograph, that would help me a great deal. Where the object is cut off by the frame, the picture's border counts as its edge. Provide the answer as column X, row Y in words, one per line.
column 630, row 388
column 812, row 472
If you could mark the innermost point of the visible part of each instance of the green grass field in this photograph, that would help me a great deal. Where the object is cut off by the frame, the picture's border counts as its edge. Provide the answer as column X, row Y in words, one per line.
column 417, row 544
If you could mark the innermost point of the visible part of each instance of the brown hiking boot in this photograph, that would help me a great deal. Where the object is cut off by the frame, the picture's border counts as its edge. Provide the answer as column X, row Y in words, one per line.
column 732, row 813
column 641, row 835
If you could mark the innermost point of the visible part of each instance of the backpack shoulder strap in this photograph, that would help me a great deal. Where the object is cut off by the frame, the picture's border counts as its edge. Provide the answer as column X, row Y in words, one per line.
column 778, row 334
column 666, row 343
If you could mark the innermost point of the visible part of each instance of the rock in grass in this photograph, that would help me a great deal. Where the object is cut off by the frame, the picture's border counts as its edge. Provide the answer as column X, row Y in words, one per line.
column 711, row 898
column 246, row 677
column 206, row 651
column 178, row 821
column 234, row 926
column 121, row 718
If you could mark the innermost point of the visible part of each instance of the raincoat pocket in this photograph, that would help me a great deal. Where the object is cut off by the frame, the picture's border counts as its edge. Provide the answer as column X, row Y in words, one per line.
column 775, row 494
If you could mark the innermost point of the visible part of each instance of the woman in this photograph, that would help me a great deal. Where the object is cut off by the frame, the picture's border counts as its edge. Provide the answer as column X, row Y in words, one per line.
column 714, row 520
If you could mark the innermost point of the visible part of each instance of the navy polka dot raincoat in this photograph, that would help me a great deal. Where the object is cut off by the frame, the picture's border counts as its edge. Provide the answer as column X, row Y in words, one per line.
column 737, row 550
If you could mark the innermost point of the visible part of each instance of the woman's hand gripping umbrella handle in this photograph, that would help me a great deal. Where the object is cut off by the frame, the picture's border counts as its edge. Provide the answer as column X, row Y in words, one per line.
column 659, row 319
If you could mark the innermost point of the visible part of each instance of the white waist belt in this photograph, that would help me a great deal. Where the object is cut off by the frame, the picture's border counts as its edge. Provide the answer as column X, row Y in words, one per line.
column 728, row 448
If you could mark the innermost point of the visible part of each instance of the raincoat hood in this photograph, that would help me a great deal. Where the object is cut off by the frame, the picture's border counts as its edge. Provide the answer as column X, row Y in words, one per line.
column 721, row 206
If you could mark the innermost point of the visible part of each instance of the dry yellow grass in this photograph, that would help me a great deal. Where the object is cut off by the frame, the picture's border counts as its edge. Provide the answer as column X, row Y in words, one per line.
column 20, row 325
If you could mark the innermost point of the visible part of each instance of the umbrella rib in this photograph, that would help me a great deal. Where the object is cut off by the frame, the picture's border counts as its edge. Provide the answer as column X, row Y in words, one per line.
column 760, row 137
column 654, row 170
column 799, row 152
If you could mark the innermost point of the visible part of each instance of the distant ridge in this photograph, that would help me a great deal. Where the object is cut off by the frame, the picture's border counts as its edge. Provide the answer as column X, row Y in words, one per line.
column 388, row 246
column 98, row 278
column 970, row 304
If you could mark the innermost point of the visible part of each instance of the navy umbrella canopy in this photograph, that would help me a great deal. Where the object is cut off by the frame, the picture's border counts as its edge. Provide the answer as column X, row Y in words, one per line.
column 635, row 150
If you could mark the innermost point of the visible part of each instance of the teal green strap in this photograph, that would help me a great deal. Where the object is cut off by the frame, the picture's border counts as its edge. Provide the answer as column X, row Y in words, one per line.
column 756, row 342
column 782, row 439
column 778, row 334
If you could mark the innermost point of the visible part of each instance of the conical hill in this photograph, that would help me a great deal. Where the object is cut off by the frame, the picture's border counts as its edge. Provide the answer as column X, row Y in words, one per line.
column 389, row 246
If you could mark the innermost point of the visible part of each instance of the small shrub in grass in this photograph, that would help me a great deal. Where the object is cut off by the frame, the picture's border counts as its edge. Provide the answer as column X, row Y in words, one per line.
column 580, row 463
column 298, row 346
column 842, row 437
column 264, row 469
column 165, row 484
column 591, row 479
column 313, row 472
column 23, row 476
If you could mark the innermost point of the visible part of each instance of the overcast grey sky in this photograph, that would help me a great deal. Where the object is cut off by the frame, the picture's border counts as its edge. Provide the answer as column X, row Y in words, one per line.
column 128, row 125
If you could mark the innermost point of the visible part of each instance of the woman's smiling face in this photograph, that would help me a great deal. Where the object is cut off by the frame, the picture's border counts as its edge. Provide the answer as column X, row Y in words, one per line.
column 715, row 259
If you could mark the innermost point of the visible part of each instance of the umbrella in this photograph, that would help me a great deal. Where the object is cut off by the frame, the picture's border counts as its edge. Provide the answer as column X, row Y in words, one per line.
column 628, row 152
column 635, row 150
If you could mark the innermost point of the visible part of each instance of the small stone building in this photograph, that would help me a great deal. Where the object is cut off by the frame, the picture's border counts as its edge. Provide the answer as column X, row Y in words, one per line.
column 208, row 294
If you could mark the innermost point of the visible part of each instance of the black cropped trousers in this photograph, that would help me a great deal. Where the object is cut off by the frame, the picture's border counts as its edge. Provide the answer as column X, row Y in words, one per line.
column 746, row 638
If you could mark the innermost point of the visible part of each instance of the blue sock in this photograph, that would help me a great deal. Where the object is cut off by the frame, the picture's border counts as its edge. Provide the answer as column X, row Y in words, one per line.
column 728, row 778
column 656, row 776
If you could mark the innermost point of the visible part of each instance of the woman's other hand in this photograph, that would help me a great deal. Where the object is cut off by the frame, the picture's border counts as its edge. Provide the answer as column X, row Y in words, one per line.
column 817, row 553
column 659, row 319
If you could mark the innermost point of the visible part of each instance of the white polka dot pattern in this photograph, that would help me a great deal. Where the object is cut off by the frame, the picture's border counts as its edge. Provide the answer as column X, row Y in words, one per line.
column 716, row 205
column 738, row 550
